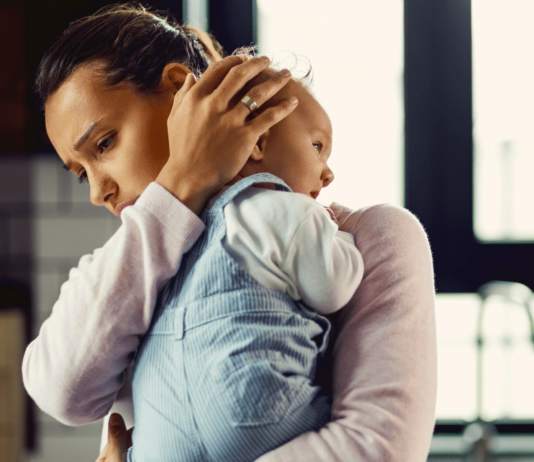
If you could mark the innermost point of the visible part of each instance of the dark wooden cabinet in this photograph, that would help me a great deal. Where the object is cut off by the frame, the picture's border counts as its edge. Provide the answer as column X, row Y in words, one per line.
column 12, row 397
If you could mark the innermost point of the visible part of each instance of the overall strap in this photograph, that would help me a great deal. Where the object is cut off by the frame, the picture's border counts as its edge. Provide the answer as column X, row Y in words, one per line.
column 243, row 184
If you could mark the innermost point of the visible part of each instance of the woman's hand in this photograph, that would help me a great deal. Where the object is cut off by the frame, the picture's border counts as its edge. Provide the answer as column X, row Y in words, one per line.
column 119, row 440
column 210, row 134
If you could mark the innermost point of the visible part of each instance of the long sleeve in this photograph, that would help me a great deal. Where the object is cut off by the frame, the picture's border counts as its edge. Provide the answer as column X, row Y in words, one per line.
column 323, row 262
column 288, row 242
column 384, row 354
column 75, row 367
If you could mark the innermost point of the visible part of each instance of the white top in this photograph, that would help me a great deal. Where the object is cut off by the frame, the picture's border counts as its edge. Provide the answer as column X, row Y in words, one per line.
column 288, row 242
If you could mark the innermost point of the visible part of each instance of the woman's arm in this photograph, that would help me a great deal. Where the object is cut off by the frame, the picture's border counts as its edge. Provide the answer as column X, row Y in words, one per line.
column 73, row 369
column 384, row 355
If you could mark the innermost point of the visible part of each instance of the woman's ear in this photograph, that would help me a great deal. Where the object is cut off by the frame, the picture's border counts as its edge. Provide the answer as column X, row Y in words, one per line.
column 173, row 76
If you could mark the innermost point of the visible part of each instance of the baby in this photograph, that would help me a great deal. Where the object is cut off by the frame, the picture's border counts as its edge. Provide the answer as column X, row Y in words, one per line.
column 227, row 368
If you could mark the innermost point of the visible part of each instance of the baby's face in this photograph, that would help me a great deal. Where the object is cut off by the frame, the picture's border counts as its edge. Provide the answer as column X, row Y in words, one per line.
column 298, row 147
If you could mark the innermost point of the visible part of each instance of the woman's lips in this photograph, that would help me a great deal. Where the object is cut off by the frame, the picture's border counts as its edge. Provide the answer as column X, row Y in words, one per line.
column 121, row 207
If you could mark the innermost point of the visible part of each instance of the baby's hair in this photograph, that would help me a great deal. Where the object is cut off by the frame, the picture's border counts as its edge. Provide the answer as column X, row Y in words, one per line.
column 306, row 79
column 293, row 62
column 133, row 44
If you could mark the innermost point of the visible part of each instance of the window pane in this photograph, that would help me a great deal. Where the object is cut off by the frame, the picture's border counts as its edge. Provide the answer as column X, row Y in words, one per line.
column 503, row 93
column 355, row 48
column 508, row 359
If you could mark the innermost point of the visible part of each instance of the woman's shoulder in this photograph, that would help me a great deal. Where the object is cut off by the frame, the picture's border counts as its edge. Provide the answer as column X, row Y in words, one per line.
column 381, row 222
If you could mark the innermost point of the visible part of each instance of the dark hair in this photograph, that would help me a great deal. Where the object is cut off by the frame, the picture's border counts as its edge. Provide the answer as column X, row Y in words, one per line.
column 133, row 43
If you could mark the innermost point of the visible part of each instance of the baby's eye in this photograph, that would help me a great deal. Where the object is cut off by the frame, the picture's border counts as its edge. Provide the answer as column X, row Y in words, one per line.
column 318, row 146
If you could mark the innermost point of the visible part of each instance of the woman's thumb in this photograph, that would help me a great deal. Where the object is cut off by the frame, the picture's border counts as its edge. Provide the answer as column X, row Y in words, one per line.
column 116, row 424
column 119, row 439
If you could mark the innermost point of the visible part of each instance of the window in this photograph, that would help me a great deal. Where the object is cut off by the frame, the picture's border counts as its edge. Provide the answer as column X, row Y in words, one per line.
column 356, row 53
column 439, row 148
column 507, row 359
column 503, row 97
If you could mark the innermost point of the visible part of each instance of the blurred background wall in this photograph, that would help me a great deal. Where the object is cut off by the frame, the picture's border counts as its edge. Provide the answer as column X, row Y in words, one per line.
column 432, row 105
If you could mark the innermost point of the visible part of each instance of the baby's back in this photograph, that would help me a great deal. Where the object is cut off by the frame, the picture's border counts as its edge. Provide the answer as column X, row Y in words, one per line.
column 226, row 371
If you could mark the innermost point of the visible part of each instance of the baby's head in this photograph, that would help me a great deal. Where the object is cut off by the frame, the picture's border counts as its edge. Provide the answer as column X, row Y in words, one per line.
column 298, row 147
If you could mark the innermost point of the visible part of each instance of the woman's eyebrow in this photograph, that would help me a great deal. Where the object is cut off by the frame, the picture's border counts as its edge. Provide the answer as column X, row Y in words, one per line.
column 83, row 139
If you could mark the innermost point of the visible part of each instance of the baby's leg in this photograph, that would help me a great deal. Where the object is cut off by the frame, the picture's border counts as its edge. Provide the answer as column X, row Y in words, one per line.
column 253, row 400
column 225, row 439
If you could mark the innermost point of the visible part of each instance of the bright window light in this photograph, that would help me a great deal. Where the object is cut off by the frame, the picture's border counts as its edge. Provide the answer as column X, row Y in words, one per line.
column 355, row 48
column 508, row 359
column 503, row 96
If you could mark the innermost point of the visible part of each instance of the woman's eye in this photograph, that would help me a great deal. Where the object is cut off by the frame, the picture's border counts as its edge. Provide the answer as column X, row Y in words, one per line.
column 105, row 143
column 82, row 178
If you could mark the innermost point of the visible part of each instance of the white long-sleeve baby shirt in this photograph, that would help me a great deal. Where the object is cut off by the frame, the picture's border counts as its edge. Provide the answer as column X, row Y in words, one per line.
column 288, row 242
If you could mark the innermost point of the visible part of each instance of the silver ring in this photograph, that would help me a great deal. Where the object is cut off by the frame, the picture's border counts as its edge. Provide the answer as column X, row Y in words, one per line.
column 250, row 103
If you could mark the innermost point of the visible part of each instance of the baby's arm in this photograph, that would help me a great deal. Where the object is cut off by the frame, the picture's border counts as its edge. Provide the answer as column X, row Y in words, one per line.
column 75, row 367
column 323, row 261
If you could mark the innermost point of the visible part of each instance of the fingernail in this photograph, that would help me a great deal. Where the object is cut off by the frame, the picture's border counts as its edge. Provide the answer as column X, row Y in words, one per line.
column 115, row 420
column 284, row 72
column 265, row 58
column 293, row 100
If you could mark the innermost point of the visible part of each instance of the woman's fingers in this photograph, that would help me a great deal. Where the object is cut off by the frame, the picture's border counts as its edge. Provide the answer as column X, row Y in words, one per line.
column 103, row 454
column 273, row 115
column 272, row 83
column 180, row 94
column 238, row 77
column 215, row 74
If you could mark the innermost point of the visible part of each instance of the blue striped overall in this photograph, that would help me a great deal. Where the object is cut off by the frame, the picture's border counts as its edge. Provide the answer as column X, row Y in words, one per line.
column 226, row 370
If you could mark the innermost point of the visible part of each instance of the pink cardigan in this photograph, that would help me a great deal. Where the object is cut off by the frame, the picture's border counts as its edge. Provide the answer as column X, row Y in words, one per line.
column 384, row 354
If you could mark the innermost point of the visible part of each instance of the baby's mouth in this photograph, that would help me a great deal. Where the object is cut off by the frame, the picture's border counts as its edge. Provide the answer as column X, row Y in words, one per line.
column 314, row 194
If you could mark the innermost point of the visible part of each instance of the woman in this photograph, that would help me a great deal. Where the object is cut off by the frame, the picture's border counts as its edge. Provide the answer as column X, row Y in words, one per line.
column 103, row 90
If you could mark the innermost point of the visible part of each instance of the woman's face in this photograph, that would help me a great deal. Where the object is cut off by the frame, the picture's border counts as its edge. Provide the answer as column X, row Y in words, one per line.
column 115, row 138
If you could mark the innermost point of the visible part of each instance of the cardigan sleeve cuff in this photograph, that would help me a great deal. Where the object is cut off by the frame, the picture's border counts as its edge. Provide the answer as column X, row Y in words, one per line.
column 170, row 212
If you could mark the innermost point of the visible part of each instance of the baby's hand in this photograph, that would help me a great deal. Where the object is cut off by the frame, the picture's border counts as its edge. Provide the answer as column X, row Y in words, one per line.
column 332, row 215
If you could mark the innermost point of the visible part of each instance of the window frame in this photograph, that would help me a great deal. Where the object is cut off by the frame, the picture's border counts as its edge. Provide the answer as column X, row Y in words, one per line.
column 439, row 150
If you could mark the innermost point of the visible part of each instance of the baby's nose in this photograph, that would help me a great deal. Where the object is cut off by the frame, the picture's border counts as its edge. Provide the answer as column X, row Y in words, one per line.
column 327, row 177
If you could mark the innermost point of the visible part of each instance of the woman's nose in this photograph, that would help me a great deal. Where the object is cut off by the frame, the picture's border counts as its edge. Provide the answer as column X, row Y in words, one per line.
column 327, row 176
column 101, row 192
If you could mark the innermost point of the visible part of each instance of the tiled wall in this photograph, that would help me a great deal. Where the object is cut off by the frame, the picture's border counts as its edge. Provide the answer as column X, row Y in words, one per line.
column 15, row 213
column 46, row 224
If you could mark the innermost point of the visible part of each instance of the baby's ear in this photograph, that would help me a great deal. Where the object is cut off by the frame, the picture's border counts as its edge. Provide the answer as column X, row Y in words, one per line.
column 259, row 147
